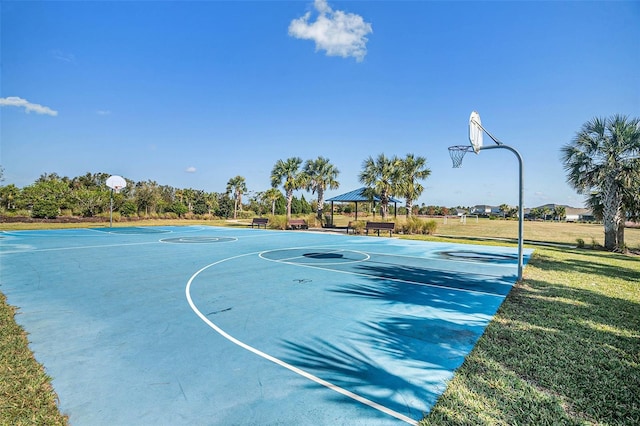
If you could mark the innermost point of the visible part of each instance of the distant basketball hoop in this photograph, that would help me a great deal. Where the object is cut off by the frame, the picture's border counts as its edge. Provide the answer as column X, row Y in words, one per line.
column 116, row 183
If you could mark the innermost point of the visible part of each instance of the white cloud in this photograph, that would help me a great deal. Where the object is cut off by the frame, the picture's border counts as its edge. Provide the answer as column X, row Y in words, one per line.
column 103, row 112
column 336, row 32
column 190, row 169
column 63, row 56
column 28, row 106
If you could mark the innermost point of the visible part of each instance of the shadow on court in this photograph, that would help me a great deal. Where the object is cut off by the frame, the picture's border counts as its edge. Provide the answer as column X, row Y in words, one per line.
column 431, row 321
column 416, row 342
column 427, row 277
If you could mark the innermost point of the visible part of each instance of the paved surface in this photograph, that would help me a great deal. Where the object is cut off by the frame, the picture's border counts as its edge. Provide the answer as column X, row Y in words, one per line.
column 233, row 326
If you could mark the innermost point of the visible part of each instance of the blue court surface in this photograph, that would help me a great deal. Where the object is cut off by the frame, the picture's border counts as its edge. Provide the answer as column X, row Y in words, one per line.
column 206, row 325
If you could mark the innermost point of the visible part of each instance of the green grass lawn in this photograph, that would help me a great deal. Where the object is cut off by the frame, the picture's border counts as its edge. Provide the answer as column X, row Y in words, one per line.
column 564, row 348
column 26, row 396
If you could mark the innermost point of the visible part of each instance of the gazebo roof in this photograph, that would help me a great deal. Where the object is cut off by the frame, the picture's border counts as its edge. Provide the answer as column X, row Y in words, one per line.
column 358, row 196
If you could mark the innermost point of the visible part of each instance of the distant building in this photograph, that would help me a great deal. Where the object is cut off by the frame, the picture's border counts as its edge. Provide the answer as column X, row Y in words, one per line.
column 572, row 214
column 485, row 210
column 458, row 212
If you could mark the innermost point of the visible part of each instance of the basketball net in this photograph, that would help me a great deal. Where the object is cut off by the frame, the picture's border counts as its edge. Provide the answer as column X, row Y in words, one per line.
column 457, row 153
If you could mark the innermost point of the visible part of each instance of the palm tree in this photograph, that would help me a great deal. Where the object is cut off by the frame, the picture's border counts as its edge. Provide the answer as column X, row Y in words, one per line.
column 288, row 174
column 147, row 195
column 8, row 196
column 187, row 197
column 604, row 158
column 271, row 195
column 559, row 212
column 238, row 186
column 321, row 175
column 412, row 169
column 381, row 176
column 505, row 209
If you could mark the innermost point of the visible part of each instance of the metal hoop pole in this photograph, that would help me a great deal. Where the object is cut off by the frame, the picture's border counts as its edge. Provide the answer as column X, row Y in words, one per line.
column 111, row 210
column 487, row 132
column 520, row 199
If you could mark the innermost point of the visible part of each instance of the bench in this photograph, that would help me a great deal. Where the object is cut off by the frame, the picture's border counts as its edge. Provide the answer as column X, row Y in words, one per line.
column 259, row 221
column 298, row 224
column 380, row 226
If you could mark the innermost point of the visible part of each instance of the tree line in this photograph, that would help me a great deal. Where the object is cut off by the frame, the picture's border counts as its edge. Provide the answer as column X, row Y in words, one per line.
column 52, row 195
column 602, row 162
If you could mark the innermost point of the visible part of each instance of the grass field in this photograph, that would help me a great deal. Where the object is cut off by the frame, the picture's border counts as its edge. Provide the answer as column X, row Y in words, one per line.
column 538, row 231
column 564, row 348
column 550, row 232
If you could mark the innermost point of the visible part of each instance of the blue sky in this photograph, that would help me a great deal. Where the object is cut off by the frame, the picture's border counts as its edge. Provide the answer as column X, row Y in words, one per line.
column 191, row 94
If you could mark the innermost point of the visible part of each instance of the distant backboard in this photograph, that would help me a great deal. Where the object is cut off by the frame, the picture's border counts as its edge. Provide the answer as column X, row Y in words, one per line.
column 116, row 182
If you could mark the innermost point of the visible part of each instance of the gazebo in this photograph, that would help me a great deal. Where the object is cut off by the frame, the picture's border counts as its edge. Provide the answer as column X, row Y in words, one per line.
column 358, row 196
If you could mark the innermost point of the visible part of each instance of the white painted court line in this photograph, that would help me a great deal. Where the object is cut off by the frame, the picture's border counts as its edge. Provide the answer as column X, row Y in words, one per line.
column 46, row 233
column 79, row 247
column 278, row 361
column 288, row 260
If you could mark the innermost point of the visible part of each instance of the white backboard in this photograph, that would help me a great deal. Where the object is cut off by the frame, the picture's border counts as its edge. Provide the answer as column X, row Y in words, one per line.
column 475, row 131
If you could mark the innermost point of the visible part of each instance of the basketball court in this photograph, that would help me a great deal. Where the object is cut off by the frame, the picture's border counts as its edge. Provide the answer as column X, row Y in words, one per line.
column 209, row 325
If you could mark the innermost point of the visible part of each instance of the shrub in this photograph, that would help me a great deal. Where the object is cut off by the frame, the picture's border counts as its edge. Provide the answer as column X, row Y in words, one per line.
column 45, row 209
column 200, row 208
column 429, row 227
column 358, row 226
column 277, row 222
column 128, row 209
column 246, row 214
column 312, row 220
column 415, row 225
column 580, row 242
column 178, row 208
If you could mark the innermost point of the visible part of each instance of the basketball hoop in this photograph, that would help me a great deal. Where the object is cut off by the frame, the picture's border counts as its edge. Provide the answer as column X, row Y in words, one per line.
column 457, row 153
column 116, row 183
